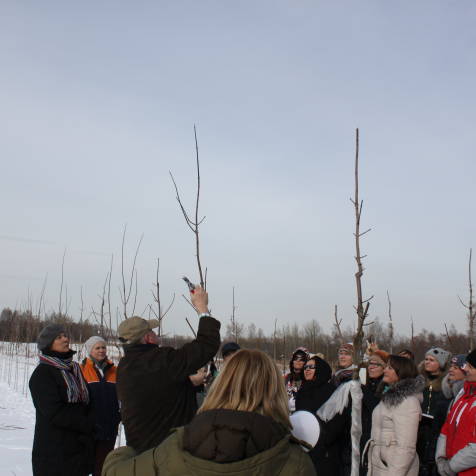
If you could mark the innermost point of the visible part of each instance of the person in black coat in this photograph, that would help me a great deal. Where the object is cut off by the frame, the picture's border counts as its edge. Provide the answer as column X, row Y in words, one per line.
column 100, row 375
column 434, row 408
column 63, row 440
column 153, row 384
column 371, row 395
column 314, row 392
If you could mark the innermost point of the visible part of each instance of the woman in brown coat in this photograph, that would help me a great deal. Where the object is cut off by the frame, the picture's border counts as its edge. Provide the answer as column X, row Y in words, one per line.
column 392, row 450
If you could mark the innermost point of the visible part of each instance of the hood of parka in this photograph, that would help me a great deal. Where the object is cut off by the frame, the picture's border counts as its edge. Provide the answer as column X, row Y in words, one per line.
column 395, row 394
column 226, row 436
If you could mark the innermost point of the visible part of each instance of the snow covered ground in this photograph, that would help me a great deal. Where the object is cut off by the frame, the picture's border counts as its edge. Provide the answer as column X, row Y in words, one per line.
column 17, row 413
column 17, row 422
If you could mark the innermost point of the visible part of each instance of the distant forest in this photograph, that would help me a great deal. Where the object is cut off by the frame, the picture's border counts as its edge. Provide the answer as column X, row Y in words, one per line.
column 23, row 326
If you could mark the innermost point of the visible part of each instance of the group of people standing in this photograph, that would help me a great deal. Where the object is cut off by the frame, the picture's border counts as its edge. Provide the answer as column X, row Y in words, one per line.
column 399, row 420
column 395, row 420
column 77, row 410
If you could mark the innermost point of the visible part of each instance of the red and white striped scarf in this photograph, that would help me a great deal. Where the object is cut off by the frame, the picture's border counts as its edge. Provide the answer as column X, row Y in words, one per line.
column 76, row 387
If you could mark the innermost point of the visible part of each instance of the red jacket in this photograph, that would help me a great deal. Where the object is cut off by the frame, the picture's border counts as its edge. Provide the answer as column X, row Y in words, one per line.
column 460, row 431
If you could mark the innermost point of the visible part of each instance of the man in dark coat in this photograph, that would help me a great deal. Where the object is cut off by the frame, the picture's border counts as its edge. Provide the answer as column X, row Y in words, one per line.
column 153, row 387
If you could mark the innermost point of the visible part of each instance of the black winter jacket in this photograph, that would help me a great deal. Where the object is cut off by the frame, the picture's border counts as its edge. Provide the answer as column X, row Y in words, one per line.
column 103, row 396
column 310, row 397
column 63, row 442
column 153, row 387
column 370, row 399
column 435, row 404
column 312, row 394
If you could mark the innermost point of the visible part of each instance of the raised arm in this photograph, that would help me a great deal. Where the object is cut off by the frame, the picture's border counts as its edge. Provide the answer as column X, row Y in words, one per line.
column 188, row 359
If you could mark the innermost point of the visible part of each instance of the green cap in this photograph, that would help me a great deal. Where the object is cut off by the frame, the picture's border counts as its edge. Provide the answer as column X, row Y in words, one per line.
column 133, row 329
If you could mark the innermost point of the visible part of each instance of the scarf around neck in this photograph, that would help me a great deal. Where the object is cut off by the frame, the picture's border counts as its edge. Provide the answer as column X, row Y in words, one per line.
column 76, row 387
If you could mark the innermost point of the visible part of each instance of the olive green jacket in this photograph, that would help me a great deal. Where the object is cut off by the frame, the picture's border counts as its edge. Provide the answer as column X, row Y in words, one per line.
column 169, row 459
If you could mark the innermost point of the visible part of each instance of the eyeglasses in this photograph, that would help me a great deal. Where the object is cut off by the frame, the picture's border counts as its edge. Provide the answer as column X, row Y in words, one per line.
column 309, row 367
column 298, row 359
column 375, row 364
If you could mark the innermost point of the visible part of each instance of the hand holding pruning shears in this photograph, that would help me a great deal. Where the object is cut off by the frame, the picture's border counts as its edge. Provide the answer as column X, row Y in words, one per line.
column 198, row 296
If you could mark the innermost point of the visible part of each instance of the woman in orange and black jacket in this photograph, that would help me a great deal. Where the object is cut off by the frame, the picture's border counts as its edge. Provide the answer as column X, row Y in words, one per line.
column 100, row 375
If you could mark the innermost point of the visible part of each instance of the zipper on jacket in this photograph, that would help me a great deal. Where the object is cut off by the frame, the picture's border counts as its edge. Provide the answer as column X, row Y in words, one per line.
column 430, row 388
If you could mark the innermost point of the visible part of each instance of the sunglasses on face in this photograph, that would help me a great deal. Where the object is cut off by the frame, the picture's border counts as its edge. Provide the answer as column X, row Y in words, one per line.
column 309, row 367
column 375, row 364
column 298, row 359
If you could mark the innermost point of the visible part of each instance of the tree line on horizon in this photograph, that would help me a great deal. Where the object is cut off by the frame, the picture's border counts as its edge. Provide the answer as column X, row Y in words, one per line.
column 24, row 326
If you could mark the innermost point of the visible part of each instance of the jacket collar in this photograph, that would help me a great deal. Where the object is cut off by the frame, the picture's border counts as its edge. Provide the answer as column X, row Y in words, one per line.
column 405, row 388
column 469, row 388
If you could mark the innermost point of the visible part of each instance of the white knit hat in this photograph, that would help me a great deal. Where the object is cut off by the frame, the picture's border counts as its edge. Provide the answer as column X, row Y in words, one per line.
column 91, row 342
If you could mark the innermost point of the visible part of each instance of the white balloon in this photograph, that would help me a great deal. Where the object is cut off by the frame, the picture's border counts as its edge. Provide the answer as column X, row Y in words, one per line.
column 305, row 427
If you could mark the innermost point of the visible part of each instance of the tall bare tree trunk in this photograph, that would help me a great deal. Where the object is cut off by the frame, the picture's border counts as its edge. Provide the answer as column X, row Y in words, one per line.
column 362, row 307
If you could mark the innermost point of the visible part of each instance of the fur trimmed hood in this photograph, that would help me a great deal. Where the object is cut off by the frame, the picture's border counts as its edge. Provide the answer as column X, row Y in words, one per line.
column 450, row 390
column 403, row 389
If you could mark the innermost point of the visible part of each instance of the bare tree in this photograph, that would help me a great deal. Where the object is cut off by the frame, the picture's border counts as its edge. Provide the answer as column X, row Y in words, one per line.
column 390, row 324
column 126, row 292
column 60, row 303
column 233, row 317
column 470, row 305
column 337, row 323
column 159, row 314
column 195, row 223
column 450, row 341
column 42, row 295
column 362, row 307
column 109, row 297
column 191, row 327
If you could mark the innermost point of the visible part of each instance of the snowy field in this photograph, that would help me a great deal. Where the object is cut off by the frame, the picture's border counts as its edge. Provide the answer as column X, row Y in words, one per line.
column 17, row 413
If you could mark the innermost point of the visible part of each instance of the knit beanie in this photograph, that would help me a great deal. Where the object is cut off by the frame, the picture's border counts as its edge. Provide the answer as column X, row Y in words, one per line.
column 301, row 352
column 441, row 355
column 48, row 334
column 91, row 342
column 459, row 360
column 471, row 358
column 348, row 348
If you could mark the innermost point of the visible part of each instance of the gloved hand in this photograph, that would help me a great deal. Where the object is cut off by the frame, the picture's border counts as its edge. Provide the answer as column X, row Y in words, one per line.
column 444, row 467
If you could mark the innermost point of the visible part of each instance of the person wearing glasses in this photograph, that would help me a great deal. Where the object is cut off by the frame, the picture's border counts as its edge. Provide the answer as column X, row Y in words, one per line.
column 315, row 390
column 294, row 378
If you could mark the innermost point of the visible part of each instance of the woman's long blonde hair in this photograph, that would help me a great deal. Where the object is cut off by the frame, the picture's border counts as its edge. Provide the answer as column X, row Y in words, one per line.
column 250, row 382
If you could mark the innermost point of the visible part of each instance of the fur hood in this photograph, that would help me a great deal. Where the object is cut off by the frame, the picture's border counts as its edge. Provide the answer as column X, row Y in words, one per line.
column 451, row 390
column 403, row 389
column 435, row 382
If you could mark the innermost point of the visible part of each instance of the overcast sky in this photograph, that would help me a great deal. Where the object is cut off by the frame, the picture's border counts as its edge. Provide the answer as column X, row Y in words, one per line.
column 98, row 102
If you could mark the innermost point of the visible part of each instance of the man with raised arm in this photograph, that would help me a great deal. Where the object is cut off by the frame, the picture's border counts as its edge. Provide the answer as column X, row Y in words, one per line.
column 153, row 387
